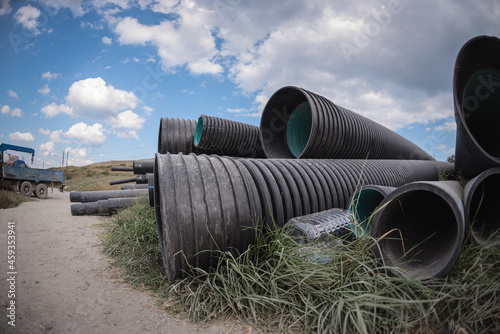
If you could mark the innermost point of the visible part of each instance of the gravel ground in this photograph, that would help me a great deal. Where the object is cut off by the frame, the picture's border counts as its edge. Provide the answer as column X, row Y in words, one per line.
column 63, row 284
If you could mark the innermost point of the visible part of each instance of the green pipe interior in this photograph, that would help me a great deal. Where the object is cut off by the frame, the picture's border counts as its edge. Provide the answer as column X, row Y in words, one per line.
column 481, row 108
column 198, row 131
column 298, row 128
column 364, row 203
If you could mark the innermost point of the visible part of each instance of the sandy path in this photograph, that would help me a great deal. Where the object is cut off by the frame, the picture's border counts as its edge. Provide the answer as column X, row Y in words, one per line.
column 63, row 282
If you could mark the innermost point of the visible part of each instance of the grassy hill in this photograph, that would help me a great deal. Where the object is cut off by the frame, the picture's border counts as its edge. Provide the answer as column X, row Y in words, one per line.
column 96, row 176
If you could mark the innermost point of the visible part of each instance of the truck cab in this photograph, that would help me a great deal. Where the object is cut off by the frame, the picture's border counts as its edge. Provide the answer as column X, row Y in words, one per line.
column 17, row 163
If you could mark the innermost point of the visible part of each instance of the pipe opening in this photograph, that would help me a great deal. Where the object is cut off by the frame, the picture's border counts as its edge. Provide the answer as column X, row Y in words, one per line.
column 429, row 231
column 198, row 131
column 364, row 202
column 298, row 128
column 483, row 210
column 481, row 108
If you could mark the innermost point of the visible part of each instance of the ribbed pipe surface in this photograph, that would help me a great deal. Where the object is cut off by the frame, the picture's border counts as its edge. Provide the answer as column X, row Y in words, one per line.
column 93, row 196
column 227, row 137
column 202, row 203
column 177, row 136
column 290, row 188
column 363, row 204
column 420, row 228
column 476, row 90
column 482, row 197
column 297, row 123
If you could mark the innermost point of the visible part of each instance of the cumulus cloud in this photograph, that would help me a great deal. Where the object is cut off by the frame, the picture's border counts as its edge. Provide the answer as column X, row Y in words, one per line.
column 447, row 126
column 44, row 131
column 44, row 90
column 50, row 76
column 54, row 109
column 25, row 137
column 74, row 5
column 13, row 94
column 78, row 156
column 47, row 149
column 126, row 124
column 91, row 135
column 107, row 40
column 16, row 112
column 27, row 16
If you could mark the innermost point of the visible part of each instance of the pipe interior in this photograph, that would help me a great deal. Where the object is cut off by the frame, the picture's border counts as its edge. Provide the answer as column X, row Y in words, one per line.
column 274, row 120
column 298, row 128
column 481, row 108
column 364, row 202
column 483, row 210
column 429, row 231
column 198, row 131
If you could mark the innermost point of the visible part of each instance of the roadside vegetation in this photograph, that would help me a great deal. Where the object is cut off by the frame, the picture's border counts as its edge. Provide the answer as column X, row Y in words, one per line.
column 10, row 199
column 280, row 286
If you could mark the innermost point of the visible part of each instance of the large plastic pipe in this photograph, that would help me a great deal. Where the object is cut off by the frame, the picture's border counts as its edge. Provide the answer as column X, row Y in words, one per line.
column 363, row 204
column 102, row 207
column 177, row 136
column 482, row 197
column 476, row 90
column 227, row 137
column 297, row 123
column 420, row 228
column 202, row 203
column 93, row 196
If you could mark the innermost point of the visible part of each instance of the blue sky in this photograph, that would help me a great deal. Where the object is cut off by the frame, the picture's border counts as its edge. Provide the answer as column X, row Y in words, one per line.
column 93, row 78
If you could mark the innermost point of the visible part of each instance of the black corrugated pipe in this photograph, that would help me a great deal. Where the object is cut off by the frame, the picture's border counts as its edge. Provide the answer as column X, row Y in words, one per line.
column 482, row 197
column 320, row 226
column 102, row 207
column 93, row 196
column 226, row 137
column 177, row 136
column 420, row 228
column 363, row 204
column 297, row 123
column 202, row 203
column 290, row 188
column 476, row 90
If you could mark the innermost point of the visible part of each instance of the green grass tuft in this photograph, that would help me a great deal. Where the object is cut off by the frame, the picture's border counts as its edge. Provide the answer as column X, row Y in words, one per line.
column 9, row 199
column 278, row 285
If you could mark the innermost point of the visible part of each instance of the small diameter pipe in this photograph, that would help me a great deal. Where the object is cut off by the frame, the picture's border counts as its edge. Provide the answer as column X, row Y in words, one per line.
column 420, row 228
column 476, row 91
column 363, row 204
column 143, row 167
column 93, row 196
column 482, row 197
column 102, row 207
column 134, row 186
column 121, row 169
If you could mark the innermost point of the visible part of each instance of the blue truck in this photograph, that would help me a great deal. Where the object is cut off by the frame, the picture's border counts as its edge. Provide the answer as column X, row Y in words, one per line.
column 16, row 175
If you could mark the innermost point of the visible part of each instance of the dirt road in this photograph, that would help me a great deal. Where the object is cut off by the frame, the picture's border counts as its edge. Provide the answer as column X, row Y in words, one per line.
column 60, row 282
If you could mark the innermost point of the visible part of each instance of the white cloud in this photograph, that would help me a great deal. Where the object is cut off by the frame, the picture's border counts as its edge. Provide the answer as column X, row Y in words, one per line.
column 78, row 156
column 50, row 76
column 87, row 134
column 47, row 149
column 107, row 40
column 44, row 131
column 16, row 112
column 147, row 110
column 25, row 137
column 44, row 90
column 13, row 94
column 126, row 124
column 74, row 5
column 27, row 16
column 54, row 109
column 56, row 136
column 5, row 8
column 447, row 126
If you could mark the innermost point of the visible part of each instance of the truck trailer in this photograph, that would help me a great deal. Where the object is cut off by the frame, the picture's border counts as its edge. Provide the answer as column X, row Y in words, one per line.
column 17, row 176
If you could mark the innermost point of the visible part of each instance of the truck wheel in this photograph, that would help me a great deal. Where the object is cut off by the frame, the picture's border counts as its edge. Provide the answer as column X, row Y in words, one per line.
column 26, row 188
column 41, row 191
